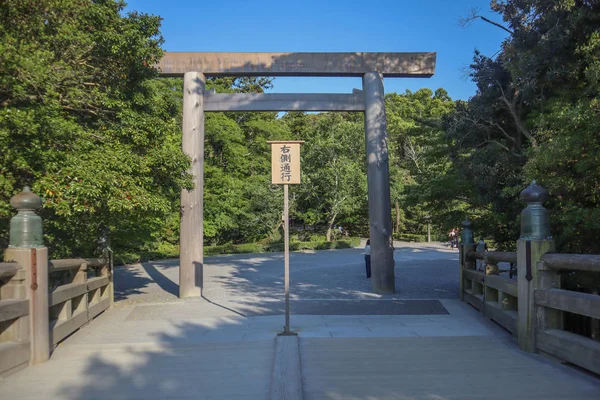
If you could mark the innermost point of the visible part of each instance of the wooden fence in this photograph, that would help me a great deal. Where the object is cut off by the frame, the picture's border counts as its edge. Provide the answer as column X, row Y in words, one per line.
column 43, row 301
column 14, row 312
column 77, row 302
column 551, row 302
column 492, row 294
column 533, row 306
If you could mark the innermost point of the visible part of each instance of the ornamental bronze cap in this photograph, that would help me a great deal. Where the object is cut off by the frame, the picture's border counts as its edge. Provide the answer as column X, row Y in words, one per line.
column 26, row 200
column 534, row 193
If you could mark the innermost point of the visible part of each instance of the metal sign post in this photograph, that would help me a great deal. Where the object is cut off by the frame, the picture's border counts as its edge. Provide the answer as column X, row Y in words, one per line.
column 285, row 170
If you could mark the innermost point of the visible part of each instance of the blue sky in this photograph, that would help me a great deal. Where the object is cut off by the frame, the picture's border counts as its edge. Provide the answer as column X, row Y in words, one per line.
column 334, row 25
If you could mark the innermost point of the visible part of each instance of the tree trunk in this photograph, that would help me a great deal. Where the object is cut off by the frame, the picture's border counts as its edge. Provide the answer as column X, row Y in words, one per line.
column 397, row 230
column 330, row 225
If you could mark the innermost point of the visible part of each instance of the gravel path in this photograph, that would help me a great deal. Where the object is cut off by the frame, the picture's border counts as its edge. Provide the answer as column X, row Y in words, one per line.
column 423, row 271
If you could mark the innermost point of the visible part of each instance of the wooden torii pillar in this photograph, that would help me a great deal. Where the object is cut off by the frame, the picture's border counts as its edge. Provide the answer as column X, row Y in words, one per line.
column 372, row 67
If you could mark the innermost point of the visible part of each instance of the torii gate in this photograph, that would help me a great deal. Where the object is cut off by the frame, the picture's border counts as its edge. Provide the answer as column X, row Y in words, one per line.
column 372, row 67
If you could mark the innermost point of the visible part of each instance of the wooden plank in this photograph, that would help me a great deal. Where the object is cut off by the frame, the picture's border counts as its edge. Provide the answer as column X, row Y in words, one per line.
column 427, row 368
column 67, row 292
column 398, row 65
column 477, row 276
column 65, row 265
column 283, row 102
column 95, row 283
column 570, row 347
column 286, row 378
column 567, row 300
column 12, row 356
column 36, row 259
column 74, row 263
column 8, row 270
column 507, row 319
column 11, row 309
column 97, row 308
column 61, row 329
column 503, row 284
column 476, row 300
column 502, row 256
column 574, row 262
column 475, row 255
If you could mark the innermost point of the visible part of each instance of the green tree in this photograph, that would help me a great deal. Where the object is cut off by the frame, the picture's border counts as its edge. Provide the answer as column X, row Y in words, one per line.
column 532, row 117
column 420, row 166
column 84, row 122
column 333, row 177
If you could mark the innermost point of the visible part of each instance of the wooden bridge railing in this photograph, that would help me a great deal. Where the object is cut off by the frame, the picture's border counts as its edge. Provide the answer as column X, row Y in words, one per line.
column 533, row 306
column 34, row 317
column 14, row 312
column 77, row 302
column 494, row 295
column 551, row 302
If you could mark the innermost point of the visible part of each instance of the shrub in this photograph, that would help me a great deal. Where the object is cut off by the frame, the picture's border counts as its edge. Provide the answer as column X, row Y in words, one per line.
column 410, row 237
column 168, row 250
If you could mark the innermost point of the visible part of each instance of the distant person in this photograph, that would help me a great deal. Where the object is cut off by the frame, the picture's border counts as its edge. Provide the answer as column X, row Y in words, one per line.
column 368, row 258
column 453, row 238
column 481, row 248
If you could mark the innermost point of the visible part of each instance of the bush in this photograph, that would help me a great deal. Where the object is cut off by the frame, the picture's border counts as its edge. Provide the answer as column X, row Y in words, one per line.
column 410, row 237
column 168, row 250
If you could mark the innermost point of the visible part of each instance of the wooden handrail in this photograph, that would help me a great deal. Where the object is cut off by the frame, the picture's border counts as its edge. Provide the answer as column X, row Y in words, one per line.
column 493, row 256
column 8, row 270
column 74, row 263
column 474, row 255
column 501, row 256
column 575, row 262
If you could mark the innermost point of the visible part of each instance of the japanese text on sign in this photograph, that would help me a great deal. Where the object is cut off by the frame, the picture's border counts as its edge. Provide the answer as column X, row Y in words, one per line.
column 285, row 160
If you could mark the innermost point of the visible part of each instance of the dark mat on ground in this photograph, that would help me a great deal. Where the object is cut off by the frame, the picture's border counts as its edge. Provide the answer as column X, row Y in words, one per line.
column 297, row 307
column 367, row 307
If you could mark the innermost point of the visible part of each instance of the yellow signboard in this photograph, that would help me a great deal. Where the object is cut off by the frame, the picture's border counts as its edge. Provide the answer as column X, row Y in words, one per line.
column 285, row 162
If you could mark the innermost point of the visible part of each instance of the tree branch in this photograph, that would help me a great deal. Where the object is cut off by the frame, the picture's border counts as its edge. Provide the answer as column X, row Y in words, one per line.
column 474, row 14
column 512, row 108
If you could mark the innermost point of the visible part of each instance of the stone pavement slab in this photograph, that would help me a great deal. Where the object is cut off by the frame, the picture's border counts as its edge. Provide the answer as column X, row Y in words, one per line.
column 441, row 368
column 227, row 370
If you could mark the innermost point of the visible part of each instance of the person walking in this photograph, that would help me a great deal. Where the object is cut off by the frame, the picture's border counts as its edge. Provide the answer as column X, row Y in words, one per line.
column 368, row 258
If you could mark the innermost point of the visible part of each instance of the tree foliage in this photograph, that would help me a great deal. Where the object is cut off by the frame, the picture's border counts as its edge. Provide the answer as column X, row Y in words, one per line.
column 535, row 116
column 84, row 122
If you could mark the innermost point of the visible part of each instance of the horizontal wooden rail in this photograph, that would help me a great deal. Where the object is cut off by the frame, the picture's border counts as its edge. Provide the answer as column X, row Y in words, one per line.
column 567, row 300
column 74, row 263
column 475, row 255
column 8, row 270
column 12, row 309
column 474, row 275
column 501, row 256
column 502, row 284
column 570, row 347
column 574, row 262
column 506, row 318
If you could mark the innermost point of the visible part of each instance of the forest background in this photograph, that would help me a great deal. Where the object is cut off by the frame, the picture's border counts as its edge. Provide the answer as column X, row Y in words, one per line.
column 85, row 120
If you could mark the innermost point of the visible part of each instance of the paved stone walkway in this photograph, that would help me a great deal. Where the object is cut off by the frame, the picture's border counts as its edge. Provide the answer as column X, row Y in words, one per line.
column 153, row 346
column 423, row 271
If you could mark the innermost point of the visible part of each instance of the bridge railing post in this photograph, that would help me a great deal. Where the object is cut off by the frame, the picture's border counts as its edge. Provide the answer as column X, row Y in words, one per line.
column 535, row 240
column 26, row 247
column 467, row 244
